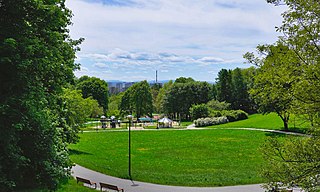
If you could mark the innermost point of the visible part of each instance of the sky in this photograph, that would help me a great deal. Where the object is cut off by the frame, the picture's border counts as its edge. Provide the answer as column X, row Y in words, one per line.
column 128, row 40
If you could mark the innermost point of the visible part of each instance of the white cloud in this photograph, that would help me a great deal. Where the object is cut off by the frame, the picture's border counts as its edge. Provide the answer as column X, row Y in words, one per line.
column 211, row 60
column 100, row 65
column 169, row 35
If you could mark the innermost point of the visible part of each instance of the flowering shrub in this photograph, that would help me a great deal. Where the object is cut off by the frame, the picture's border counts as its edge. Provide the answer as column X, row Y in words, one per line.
column 203, row 122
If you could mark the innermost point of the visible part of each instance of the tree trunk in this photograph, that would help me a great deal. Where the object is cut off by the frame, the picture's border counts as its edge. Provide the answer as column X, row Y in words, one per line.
column 285, row 124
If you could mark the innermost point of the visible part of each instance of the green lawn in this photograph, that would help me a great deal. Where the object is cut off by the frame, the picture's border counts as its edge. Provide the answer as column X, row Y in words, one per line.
column 70, row 186
column 269, row 121
column 213, row 157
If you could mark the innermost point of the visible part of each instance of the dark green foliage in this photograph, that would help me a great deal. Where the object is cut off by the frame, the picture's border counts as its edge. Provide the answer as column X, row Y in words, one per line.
column 296, row 161
column 224, row 86
column 160, row 100
column 232, row 115
column 95, row 88
column 114, row 105
column 37, row 60
column 155, row 89
column 273, row 90
column 232, row 87
column 216, row 105
column 181, row 96
column 184, row 80
column 235, row 115
column 199, row 111
column 137, row 99
column 288, row 82
column 75, row 111
column 240, row 91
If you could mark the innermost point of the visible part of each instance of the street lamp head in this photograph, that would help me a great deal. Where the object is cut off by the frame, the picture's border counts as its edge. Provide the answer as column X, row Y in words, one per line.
column 129, row 117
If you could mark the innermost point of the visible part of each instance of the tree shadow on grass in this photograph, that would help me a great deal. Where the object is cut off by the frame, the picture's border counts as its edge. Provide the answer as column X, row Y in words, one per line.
column 77, row 152
column 275, row 135
column 298, row 130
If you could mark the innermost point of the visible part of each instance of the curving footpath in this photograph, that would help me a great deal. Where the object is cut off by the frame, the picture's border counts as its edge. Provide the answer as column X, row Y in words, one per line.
column 137, row 186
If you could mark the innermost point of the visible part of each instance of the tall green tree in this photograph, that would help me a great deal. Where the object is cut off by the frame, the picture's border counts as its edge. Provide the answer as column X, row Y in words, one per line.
column 155, row 89
column 137, row 99
column 95, row 88
column 76, row 110
column 181, row 96
column 273, row 85
column 37, row 60
column 114, row 104
column 160, row 100
column 240, row 93
column 224, row 86
column 295, row 161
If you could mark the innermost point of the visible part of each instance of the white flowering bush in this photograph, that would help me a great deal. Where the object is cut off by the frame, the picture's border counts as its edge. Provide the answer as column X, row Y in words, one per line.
column 203, row 122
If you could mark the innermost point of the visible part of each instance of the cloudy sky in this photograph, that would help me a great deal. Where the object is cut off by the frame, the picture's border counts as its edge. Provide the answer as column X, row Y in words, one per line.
column 130, row 39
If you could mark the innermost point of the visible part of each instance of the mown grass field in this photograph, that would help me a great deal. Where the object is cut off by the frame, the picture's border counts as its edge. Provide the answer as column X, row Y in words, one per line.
column 213, row 157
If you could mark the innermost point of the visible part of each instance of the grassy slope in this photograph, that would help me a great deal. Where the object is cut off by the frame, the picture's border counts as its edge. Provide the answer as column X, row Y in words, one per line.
column 269, row 121
column 190, row 158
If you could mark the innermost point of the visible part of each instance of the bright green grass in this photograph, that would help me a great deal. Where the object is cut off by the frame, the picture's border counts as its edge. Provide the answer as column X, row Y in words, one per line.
column 211, row 157
column 70, row 186
column 268, row 121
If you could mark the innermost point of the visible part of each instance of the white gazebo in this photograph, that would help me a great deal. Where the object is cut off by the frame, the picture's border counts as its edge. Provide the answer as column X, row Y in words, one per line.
column 165, row 122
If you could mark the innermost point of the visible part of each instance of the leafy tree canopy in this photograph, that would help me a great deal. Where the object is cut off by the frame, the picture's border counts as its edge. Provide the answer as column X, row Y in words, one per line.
column 137, row 99
column 37, row 61
column 95, row 88
column 296, row 67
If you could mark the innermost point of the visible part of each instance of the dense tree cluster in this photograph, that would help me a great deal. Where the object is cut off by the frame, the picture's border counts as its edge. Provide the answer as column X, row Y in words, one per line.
column 137, row 100
column 232, row 86
column 95, row 88
column 37, row 61
column 183, row 94
column 176, row 99
column 288, row 81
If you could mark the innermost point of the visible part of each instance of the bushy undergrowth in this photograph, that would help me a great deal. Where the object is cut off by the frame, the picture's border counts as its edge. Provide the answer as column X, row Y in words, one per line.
column 232, row 115
column 221, row 117
column 203, row 122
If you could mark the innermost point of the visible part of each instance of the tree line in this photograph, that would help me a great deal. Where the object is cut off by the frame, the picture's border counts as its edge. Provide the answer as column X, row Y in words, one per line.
column 175, row 98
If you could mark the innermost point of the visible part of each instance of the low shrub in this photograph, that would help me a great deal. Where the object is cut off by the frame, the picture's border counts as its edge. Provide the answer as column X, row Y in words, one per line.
column 232, row 115
column 235, row 115
column 215, row 113
column 203, row 122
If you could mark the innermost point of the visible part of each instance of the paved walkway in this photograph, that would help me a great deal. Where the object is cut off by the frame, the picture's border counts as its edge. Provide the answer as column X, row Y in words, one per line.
column 137, row 186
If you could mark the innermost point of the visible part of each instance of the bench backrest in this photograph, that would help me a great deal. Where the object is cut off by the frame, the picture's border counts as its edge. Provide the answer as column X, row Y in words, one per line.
column 105, row 185
column 83, row 180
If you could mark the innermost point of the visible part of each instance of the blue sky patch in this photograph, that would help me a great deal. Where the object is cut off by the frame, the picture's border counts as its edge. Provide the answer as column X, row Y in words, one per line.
column 118, row 3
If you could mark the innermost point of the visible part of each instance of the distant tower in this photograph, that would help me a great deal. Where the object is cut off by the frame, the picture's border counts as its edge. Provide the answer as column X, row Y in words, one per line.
column 156, row 77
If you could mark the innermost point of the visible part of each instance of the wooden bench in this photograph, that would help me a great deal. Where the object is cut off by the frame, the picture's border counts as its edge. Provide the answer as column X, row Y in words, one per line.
column 108, row 186
column 86, row 181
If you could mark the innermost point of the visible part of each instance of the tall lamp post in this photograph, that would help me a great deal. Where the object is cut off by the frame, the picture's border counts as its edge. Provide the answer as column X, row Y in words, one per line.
column 129, row 146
